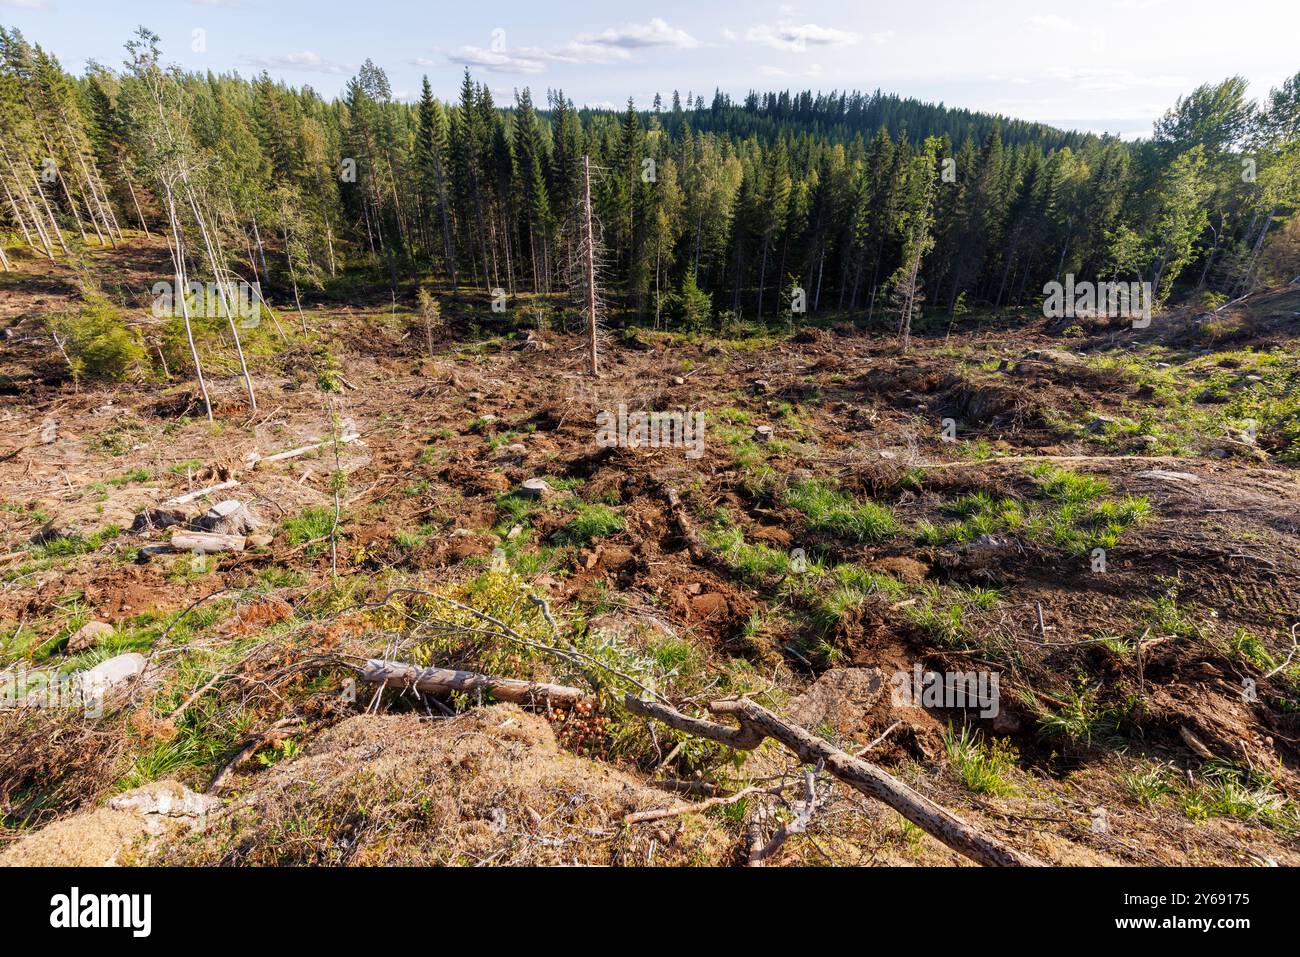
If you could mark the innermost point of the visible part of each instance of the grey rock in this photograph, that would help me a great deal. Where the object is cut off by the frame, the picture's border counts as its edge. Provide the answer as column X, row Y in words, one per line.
column 108, row 674
column 88, row 635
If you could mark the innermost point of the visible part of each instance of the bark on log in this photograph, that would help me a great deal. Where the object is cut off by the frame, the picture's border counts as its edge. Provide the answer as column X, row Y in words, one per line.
column 685, row 527
column 207, row 542
column 396, row 674
column 755, row 723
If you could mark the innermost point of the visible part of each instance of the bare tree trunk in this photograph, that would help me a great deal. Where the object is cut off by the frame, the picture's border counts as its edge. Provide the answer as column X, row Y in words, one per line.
column 293, row 277
column 18, row 216
column 219, row 277
column 329, row 244
column 591, row 269
column 54, row 223
column 31, row 207
column 178, row 257
column 136, row 202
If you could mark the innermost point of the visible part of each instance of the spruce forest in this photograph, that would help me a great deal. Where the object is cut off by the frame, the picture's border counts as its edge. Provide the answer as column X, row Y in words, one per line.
column 797, row 478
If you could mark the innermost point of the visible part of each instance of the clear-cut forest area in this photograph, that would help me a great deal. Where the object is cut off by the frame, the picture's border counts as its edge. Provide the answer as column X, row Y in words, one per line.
column 809, row 478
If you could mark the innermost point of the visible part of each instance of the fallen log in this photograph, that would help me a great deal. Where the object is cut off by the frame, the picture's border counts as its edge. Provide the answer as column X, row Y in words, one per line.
column 207, row 542
column 184, row 499
column 755, row 723
column 685, row 527
column 396, row 674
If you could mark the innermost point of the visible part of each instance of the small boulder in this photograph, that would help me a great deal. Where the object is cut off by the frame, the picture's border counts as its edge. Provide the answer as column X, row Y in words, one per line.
column 709, row 605
column 106, row 675
column 841, row 699
column 165, row 798
column 125, row 831
column 88, row 635
column 534, row 488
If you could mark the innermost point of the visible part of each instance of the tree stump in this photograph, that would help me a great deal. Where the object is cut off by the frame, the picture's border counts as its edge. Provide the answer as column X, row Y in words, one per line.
column 231, row 517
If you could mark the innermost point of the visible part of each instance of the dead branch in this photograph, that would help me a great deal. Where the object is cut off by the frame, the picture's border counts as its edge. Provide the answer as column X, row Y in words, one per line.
column 1295, row 646
column 685, row 527
column 657, row 814
column 184, row 499
column 395, row 674
column 253, row 745
column 755, row 723
column 257, row 460
column 758, row 855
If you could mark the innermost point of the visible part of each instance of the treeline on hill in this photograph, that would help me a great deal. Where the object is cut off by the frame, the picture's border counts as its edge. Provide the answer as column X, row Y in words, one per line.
column 869, row 203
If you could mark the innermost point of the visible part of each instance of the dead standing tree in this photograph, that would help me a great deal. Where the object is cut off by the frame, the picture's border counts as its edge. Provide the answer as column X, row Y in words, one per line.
column 590, row 258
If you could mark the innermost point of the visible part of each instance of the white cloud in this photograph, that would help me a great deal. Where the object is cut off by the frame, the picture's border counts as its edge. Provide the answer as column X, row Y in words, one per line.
column 495, row 61
column 656, row 33
column 588, row 54
column 798, row 37
column 27, row 4
column 882, row 37
column 305, row 60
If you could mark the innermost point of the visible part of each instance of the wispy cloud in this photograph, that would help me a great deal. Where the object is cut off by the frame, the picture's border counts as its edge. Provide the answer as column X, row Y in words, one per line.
column 798, row 37
column 492, row 61
column 615, row 45
column 306, row 61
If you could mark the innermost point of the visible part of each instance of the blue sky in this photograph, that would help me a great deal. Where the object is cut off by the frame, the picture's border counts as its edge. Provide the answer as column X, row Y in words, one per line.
column 1112, row 65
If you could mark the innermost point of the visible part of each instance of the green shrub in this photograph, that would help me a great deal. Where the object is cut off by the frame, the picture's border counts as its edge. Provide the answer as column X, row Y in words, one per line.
column 98, row 342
